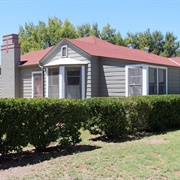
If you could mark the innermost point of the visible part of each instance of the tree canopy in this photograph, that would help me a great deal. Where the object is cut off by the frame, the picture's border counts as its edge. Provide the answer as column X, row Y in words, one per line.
column 40, row 36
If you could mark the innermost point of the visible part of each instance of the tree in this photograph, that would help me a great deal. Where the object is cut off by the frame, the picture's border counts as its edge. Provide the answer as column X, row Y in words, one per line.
column 34, row 37
column 53, row 31
column 132, row 39
column 108, row 34
column 158, row 42
column 95, row 31
column 170, row 47
column 145, row 40
column 84, row 30
column 28, row 38
column 68, row 30
column 41, row 36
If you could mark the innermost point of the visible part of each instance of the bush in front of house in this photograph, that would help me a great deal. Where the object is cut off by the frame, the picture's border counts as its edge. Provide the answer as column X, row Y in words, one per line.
column 118, row 116
column 13, row 130
column 54, row 119
column 153, row 113
column 42, row 121
column 39, row 122
column 165, row 113
column 106, row 116
column 138, row 109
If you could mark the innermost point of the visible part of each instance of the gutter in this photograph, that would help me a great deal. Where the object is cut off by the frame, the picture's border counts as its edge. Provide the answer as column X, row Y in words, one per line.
column 42, row 69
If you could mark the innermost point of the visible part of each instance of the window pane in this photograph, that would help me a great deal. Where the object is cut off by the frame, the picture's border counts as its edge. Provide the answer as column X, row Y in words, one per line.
column 64, row 52
column 73, row 80
column 73, row 73
column 53, row 86
column 37, row 85
column 162, row 81
column 135, row 81
column 152, row 80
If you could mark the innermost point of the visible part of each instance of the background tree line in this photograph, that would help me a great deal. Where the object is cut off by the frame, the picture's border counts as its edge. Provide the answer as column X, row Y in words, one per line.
column 40, row 36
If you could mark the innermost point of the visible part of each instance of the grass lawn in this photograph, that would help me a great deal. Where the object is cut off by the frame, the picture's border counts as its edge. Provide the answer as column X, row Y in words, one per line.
column 148, row 157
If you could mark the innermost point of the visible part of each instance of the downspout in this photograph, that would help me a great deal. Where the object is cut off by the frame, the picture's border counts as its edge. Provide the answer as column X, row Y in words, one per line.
column 42, row 69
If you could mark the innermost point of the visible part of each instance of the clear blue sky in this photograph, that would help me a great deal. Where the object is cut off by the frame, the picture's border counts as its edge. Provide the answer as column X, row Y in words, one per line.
column 123, row 15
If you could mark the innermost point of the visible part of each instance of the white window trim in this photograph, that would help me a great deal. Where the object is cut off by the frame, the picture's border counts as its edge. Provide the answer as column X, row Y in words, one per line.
column 62, row 81
column 32, row 81
column 145, row 77
column 160, row 67
column 65, row 46
column 83, row 81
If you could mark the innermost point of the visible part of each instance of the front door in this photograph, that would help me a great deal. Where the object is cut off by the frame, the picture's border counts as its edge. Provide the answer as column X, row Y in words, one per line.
column 73, row 82
column 37, row 85
column 134, row 81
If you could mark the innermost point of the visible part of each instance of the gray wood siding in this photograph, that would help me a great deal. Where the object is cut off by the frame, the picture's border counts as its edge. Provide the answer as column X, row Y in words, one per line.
column 173, row 80
column 95, row 77
column 112, row 77
column 88, row 81
column 26, row 81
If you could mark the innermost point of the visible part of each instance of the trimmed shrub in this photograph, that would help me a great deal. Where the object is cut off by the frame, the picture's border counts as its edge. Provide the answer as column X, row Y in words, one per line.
column 12, row 125
column 138, row 109
column 39, row 122
column 106, row 116
column 154, row 113
column 165, row 113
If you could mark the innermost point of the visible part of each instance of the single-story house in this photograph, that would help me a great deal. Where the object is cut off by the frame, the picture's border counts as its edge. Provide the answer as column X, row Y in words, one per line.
column 84, row 68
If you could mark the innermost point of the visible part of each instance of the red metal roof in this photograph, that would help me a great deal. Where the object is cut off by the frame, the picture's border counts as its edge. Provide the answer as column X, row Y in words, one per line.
column 97, row 47
column 176, row 59
column 34, row 57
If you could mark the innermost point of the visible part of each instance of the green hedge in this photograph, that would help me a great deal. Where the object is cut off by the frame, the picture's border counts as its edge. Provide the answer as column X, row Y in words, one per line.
column 39, row 122
column 106, row 116
column 154, row 113
column 118, row 116
column 42, row 121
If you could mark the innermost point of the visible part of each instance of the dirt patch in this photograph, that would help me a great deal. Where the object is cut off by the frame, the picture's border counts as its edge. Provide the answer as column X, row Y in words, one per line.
column 154, row 141
column 21, row 172
column 177, row 173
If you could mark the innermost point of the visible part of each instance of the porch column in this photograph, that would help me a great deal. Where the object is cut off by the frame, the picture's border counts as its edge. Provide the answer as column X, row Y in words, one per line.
column 62, row 82
column 83, row 82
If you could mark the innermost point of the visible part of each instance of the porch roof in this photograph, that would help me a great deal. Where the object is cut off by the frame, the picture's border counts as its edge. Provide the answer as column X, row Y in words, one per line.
column 65, row 61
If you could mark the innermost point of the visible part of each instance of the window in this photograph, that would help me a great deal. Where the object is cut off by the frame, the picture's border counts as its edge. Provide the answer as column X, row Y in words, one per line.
column 143, row 79
column 135, row 81
column 73, row 82
column 152, row 80
column 73, row 77
column 53, row 82
column 157, row 80
column 162, row 81
column 64, row 51
column 37, row 85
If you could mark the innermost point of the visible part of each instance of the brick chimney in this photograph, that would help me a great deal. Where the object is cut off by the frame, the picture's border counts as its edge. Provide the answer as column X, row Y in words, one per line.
column 10, row 59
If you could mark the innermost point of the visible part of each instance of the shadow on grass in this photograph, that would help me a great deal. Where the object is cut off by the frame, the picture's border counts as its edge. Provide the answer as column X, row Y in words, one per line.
column 32, row 157
column 131, row 137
